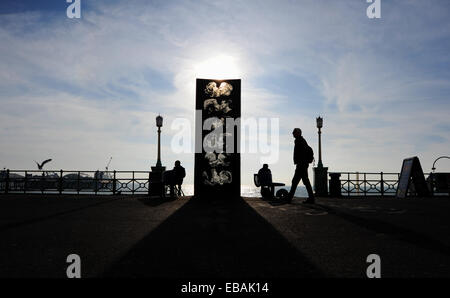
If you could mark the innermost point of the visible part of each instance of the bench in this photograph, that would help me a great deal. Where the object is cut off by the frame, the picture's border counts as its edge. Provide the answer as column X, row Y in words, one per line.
column 171, row 188
column 267, row 189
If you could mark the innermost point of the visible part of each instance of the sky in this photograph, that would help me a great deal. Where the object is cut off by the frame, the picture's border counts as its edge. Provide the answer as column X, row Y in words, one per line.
column 80, row 91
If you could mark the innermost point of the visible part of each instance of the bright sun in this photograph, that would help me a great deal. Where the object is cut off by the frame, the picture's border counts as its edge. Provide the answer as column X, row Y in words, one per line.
column 219, row 67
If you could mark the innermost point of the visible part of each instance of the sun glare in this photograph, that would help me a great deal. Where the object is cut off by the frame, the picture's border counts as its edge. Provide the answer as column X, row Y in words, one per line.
column 219, row 67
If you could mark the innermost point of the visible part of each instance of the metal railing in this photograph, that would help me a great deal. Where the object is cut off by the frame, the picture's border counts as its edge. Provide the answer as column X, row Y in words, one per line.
column 368, row 184
column 138, row 182
column 74, row 182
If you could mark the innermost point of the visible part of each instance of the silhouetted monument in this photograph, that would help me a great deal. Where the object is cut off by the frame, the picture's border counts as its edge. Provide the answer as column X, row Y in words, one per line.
column 217, row 158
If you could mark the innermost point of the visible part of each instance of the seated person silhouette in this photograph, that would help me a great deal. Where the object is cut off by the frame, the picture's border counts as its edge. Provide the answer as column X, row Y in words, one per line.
column 178, row 174
column 265, row 175
column 174, row 178
column 264, row 180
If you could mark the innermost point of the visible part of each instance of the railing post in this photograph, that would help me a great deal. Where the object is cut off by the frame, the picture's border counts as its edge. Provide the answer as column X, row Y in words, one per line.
column 42, row 182
column 114, row 183
column 132, row 185
column 60, row 181
column 348, row 184
column 96, row 182
column 358, row 188
column 365, row 185
column 7, row 182
column 25, row 182
column 382, row 184
column 78, row 183
column 148, row 187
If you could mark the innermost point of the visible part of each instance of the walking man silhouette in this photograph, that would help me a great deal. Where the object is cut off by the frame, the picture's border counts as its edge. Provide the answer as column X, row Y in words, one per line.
column 301, row 171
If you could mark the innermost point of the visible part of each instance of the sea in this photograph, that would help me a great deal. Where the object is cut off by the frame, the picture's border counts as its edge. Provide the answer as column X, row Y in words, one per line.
column 251, row 191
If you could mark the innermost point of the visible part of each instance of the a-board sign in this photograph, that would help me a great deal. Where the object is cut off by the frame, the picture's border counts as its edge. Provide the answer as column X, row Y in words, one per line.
column 412, row 179
column 217, row 143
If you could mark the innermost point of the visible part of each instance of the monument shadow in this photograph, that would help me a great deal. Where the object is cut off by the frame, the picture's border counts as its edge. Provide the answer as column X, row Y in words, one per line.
column 214, row 239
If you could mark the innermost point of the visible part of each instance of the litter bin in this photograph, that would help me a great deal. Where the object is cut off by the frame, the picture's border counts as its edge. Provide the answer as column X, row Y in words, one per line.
column 335, row 185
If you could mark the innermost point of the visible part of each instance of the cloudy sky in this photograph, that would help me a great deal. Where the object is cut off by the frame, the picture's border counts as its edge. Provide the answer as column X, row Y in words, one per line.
column 82, row 90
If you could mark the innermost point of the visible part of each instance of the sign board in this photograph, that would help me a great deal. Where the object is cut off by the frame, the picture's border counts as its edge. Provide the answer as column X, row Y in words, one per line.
column 412, row 179
column 217, row 140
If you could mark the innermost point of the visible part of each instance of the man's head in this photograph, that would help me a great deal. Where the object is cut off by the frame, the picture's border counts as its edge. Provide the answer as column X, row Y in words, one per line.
column 177, row 163
column 265, row 166
column 297, row 132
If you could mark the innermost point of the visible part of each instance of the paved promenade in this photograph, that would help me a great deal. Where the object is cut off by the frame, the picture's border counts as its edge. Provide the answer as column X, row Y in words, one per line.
column 124, row 236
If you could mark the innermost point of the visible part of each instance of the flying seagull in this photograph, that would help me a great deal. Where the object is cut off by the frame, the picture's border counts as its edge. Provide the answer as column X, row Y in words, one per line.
column 40, row 166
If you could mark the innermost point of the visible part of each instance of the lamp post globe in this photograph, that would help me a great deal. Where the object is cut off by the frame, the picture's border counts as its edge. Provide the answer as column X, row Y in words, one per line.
column 159, row 121
column 319, row 121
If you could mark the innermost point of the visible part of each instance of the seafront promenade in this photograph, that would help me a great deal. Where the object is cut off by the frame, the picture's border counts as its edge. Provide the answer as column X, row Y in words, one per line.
column 134, row 236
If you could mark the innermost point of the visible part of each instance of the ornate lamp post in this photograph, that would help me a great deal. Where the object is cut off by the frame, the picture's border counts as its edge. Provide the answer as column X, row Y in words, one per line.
column 434, row 163
column 320, row 173
column 156, row 186
column 159, row 123
column 319, row 121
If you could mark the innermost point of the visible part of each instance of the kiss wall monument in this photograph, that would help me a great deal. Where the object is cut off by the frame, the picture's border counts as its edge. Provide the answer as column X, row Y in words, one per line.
column 217, row 155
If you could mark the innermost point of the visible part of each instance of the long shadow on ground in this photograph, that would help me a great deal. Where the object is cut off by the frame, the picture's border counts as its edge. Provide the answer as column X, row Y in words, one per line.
column 214, row 239
column 380, row 226
column 37, row 219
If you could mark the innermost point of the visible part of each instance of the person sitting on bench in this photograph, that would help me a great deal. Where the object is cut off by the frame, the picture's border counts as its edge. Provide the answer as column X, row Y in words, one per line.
column 265, row 175
column 178, row 174
column 265, row 181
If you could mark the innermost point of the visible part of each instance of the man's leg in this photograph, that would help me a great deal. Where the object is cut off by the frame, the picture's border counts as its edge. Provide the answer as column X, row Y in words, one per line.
column 294, row 183
column 307, row 183
column 179, row 190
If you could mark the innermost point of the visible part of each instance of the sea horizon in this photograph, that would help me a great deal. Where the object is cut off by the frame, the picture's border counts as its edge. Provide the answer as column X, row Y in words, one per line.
column 250, row 190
